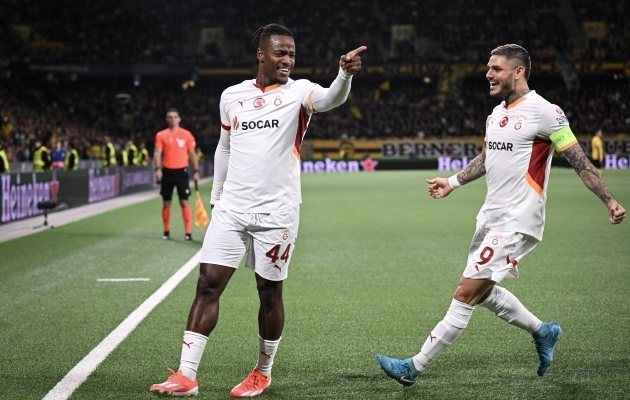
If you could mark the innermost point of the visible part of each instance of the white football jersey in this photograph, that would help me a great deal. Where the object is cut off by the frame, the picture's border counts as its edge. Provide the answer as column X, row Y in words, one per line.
column 266, row 127
column 518, row 160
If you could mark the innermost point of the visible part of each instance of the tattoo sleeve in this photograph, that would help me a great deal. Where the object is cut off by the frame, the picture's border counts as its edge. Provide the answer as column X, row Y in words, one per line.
column 587, row 172
column 476, row 169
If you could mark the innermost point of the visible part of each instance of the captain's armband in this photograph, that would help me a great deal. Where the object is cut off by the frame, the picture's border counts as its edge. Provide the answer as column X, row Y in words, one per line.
column 563, row 138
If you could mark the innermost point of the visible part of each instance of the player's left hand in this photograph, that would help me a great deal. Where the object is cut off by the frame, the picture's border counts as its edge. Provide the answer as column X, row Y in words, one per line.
column 351, row 62
column 439, row 188
column 616, row 212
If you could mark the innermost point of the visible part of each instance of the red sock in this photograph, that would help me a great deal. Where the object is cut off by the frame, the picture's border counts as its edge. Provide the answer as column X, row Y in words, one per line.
column 166, row 217
column 186, row 216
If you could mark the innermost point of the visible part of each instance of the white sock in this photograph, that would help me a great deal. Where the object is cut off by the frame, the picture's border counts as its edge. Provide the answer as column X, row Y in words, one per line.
column 444, row 334
column 192, row 350
column 266, row 353
column 507, row 307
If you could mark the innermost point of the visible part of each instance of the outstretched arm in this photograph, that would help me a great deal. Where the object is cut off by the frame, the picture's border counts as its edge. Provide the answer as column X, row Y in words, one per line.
column 594, row 182
column 326, row 99
column 442, row 187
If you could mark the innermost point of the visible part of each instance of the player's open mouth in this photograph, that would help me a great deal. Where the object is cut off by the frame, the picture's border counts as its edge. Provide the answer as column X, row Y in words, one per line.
column 284, row 70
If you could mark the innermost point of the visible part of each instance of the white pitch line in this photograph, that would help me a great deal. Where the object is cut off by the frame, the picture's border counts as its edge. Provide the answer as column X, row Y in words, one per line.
column 123, row 279
column 85, row 367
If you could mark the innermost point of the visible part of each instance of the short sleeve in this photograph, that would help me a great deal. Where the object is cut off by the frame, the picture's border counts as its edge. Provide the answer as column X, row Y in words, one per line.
column 158, row 141
column 554, row 125
column 552, row 119
column 309, row 89
column 191, row 141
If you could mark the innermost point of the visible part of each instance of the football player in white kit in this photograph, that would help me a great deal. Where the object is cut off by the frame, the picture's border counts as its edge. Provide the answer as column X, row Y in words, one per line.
column 521, row 134
column 256, row 197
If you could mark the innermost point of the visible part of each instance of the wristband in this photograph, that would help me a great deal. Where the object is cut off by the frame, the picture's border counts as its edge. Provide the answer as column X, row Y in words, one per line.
column 454, row 182
column 195, row 171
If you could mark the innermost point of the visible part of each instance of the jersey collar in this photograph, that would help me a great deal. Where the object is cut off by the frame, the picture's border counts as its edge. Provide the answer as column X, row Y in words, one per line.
column 267, row 88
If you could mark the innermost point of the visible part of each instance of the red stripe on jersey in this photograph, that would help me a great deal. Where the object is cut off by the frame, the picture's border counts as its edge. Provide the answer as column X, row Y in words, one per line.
column 226, row 127
column 301, row 129
column 538, row 164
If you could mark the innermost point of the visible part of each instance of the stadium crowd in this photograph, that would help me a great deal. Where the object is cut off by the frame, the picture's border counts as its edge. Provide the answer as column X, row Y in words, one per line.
column 160, row 31
column 84, row 110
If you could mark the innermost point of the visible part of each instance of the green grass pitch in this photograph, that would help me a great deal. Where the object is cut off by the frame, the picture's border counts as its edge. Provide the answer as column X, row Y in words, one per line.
column 376, row 264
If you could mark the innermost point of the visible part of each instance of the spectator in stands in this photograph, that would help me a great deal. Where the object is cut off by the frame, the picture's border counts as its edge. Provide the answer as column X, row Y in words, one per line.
column 41, row 157
column 4, row 160
column 58, row 156
column 72, row 157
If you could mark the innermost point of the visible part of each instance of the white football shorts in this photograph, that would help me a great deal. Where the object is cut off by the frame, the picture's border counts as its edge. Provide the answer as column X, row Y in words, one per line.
column 267, row 239
column 495, row 255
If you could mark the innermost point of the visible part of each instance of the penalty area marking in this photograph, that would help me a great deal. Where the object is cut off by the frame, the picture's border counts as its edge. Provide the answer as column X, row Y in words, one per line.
column 123, row 279
column 77, row 375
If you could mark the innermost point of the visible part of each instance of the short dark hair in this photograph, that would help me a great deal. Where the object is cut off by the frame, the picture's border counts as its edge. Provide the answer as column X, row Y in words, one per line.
column 265, row 32
column 515, row 52
column 172, row 109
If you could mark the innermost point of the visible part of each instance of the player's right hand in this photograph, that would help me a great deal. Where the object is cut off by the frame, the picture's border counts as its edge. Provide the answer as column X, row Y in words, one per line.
column 439, row 188
column 351, row 62
column 616, row 212
column 158, row 175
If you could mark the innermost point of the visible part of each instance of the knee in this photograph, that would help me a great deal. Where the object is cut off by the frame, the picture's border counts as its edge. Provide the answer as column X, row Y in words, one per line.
column 208, row 287
column 463, row 294
column 270, row 292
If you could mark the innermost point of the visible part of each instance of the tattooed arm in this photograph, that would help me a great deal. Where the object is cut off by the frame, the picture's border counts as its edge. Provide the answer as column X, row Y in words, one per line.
column 475, row 170
column 442, row 187
column 594, row 182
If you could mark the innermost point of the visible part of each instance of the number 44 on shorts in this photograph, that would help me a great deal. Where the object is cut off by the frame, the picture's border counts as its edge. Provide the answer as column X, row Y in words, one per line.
column 275, row 250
